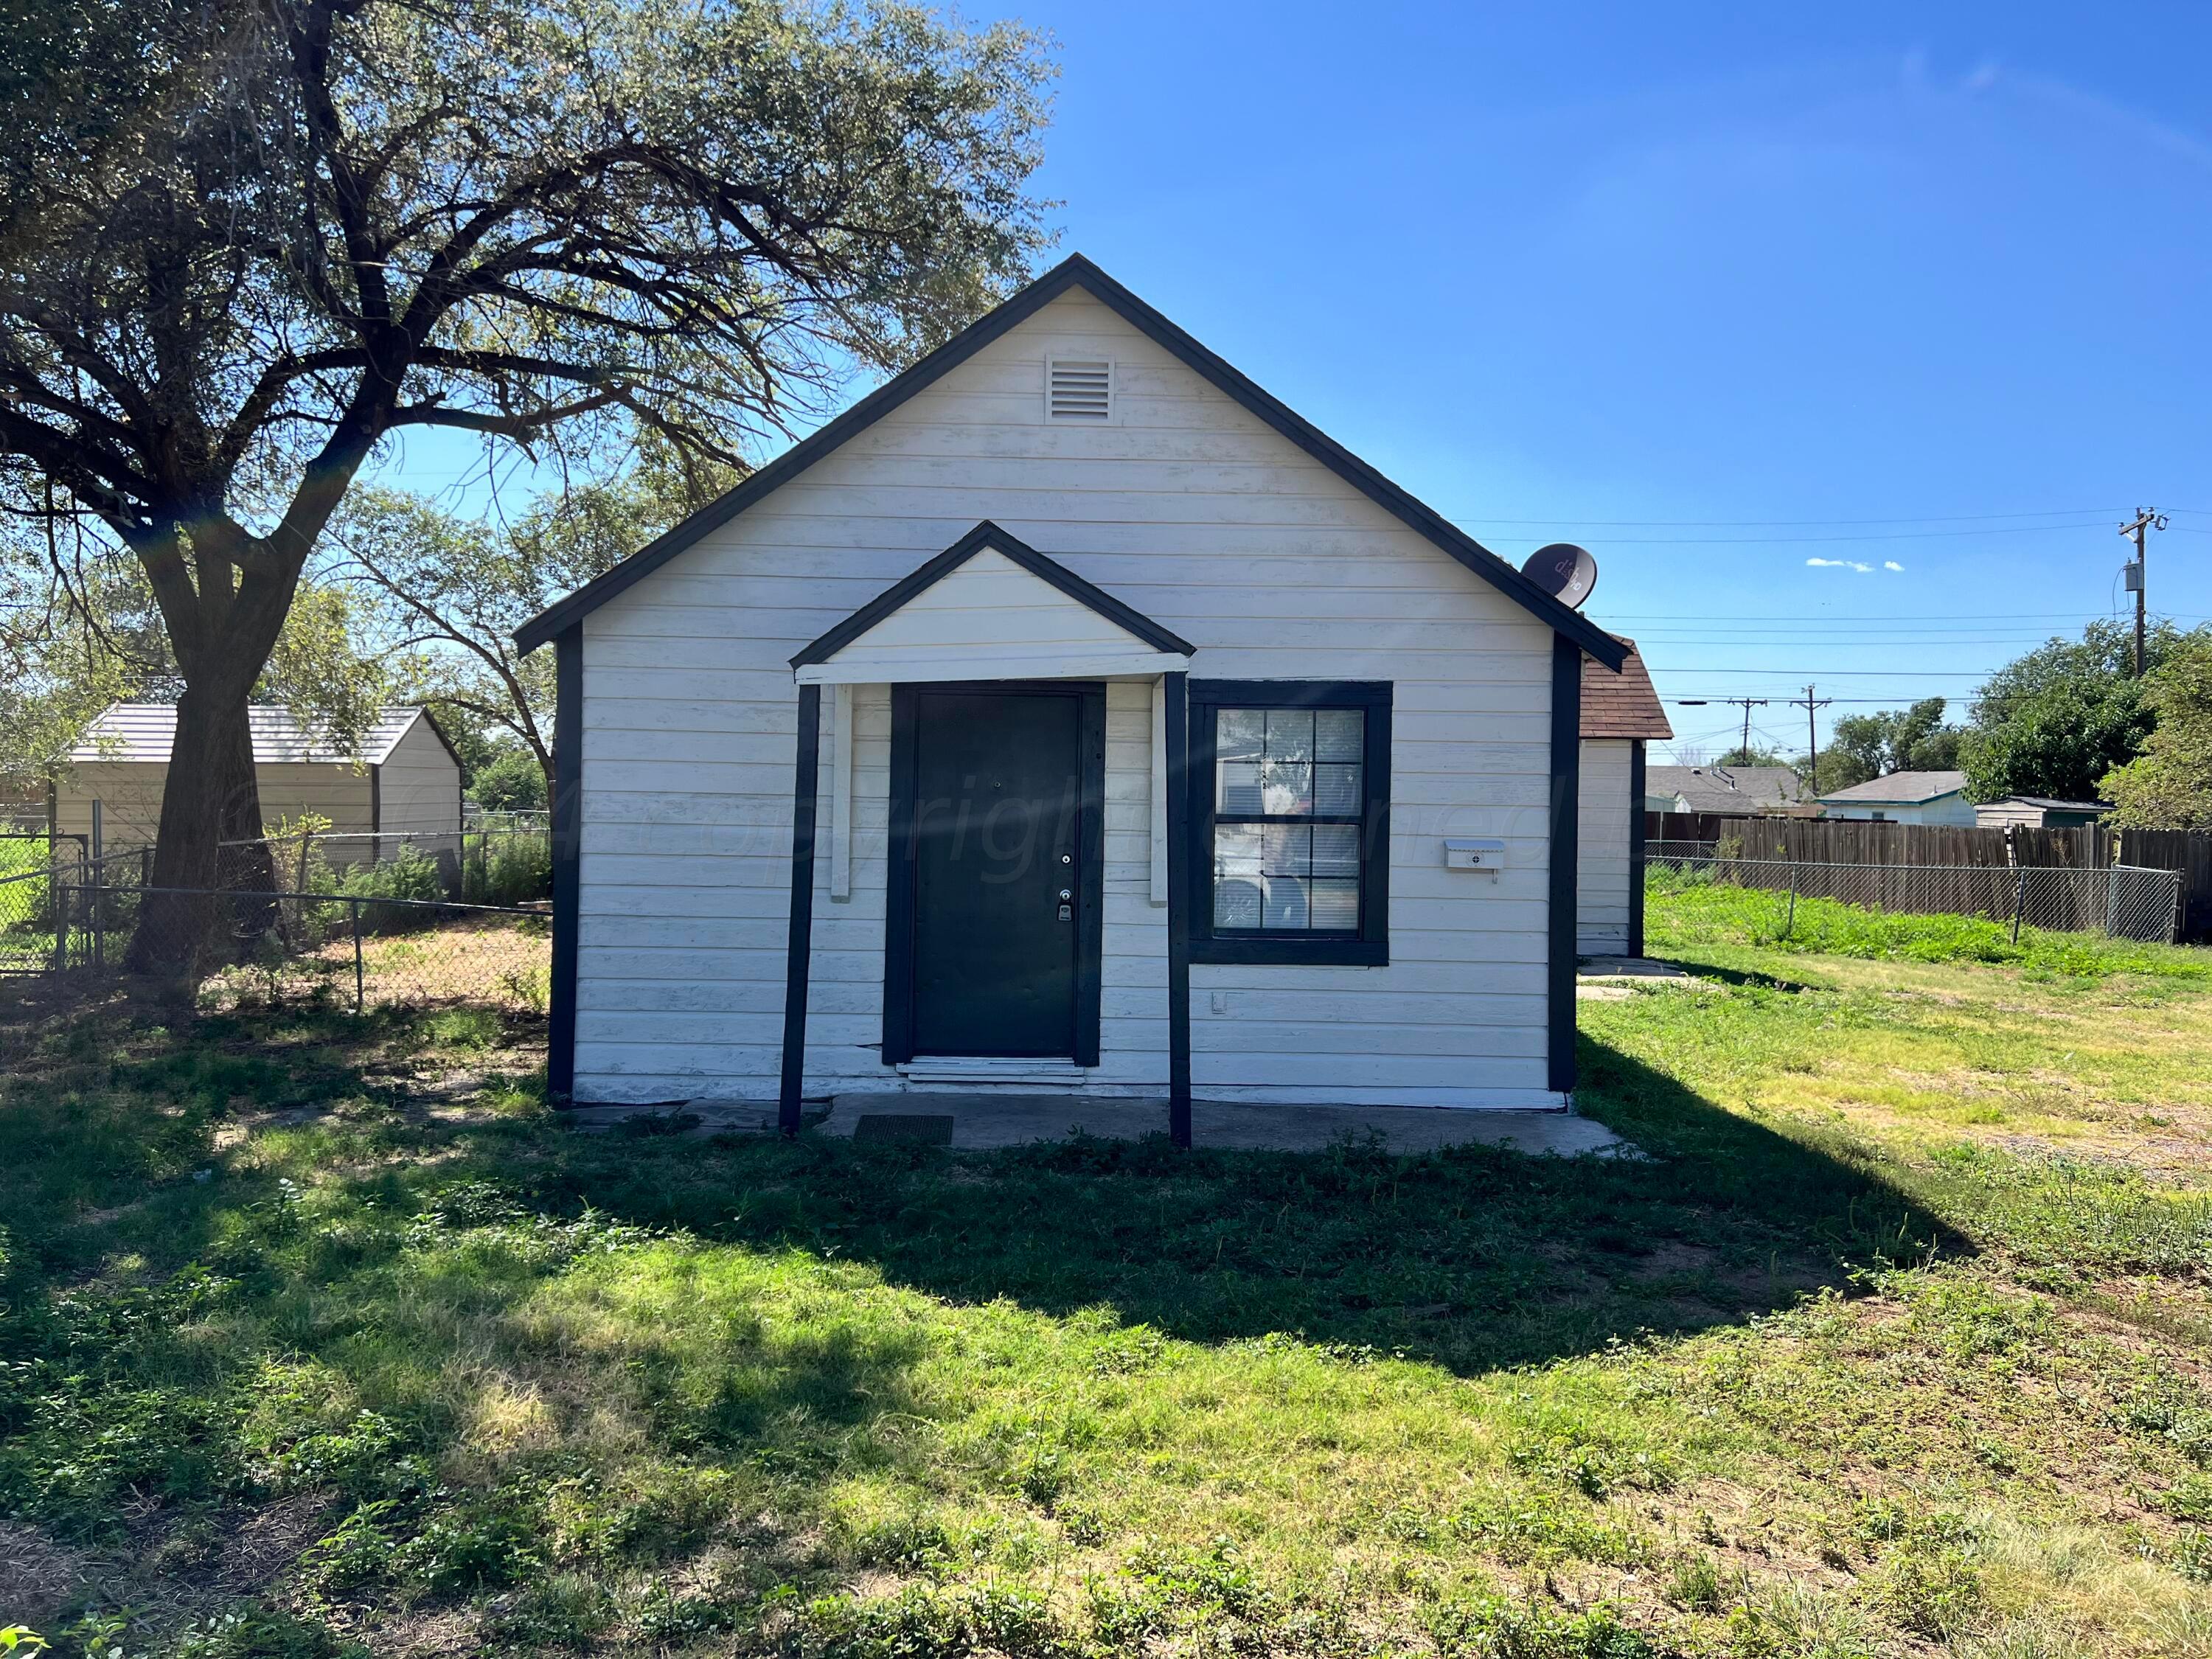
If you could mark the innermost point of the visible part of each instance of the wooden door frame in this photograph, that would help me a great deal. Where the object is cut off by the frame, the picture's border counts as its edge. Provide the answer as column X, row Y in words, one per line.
column 900, row 941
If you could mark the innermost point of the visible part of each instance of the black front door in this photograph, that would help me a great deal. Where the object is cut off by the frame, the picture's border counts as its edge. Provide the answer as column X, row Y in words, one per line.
column 997, row 828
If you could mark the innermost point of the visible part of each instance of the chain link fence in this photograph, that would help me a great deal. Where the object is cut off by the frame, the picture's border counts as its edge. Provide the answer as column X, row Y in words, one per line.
column 506, row 860
column 2120, row 901
column 267, row 947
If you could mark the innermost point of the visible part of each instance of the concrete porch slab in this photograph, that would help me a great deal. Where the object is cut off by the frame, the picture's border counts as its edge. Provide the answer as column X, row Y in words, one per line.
column 980, row 1121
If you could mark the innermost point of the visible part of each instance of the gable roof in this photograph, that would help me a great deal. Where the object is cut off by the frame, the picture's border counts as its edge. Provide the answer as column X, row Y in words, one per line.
column 1621, row 705
column 144, row 731
column 987, row 535
column 1076, row 271
column 1724, row 788
column 1901, row 789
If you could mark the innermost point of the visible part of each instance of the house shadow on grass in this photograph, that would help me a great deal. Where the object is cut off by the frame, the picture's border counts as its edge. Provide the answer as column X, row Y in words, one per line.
column 1473, row 1258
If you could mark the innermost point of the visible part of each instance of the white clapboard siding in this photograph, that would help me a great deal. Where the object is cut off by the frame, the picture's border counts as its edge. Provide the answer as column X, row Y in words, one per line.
column 1193, row 511
column 990, row 619
column 1602, row 825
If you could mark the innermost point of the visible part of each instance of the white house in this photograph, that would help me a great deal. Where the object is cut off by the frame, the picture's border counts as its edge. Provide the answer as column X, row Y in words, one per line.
column 406, row 782
column 1905, row 798
column 1723, row 789
column 1621, row 714
column 1067, row 714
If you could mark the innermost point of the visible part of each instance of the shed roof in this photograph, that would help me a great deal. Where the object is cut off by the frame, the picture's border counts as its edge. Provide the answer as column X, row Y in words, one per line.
column 1621, row 705
column 1900, row 789
column 144, row 731
column 2050, row 805
column 1724, row 788
column 1076, row 271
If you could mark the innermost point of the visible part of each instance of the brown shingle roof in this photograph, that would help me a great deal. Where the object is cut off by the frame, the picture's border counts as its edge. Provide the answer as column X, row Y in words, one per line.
column 1621, row 705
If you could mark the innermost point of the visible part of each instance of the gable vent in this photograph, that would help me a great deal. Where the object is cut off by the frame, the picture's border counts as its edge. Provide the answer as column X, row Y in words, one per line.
column 1079, row 389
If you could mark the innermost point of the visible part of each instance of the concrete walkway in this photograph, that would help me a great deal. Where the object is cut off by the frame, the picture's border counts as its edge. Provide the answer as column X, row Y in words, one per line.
column 979, row 1121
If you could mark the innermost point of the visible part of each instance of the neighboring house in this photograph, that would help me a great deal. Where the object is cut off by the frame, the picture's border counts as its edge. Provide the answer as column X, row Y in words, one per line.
column 2040, row 812
column 1721, row 789
column 1069, row 713
column 1905, row 798
column 1621, row 714
column 406, row 781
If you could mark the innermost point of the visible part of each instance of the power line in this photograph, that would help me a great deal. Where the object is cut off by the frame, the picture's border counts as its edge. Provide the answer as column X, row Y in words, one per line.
column 1755, row 524
column 1810, row 541
column 1839, row 673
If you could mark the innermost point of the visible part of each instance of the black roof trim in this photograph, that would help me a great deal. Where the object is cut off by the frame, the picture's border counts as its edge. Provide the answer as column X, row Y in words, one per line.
column 984, row 535
column 1076, row 271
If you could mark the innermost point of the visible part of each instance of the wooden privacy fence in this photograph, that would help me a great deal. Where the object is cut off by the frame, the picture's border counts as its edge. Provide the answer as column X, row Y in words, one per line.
column 1958, row 852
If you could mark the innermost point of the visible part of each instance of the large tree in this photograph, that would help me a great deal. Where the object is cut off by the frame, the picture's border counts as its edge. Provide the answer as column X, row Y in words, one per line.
column 444, row 592
column 2055, row 722
column 1865, row 746
column 2169, row 785
column 242, row 242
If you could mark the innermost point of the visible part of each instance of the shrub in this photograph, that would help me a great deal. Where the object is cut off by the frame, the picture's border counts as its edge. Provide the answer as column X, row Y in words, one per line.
column 507, row 869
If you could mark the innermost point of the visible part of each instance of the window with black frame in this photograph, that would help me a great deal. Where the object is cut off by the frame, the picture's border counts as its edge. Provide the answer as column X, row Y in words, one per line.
column 1291, row 825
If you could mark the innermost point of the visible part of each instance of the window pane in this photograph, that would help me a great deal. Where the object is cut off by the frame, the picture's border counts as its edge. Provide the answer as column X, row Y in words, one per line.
column 1239, row 794
column 1290, row 734
column 1286, row 903
column 1336, row 849
column 1240, row 733
column 1339, row 734
column 1289, row 850
column 1335, row 907
column 1236, row 878
column 1288, row 785
column 1336, row 789
column 1237, row 849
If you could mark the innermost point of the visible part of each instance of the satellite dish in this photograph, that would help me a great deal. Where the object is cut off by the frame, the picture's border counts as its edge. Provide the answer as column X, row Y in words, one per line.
column 1565, row 571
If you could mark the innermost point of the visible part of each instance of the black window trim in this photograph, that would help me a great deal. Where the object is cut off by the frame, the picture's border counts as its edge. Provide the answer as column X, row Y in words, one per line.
column 1371, row 946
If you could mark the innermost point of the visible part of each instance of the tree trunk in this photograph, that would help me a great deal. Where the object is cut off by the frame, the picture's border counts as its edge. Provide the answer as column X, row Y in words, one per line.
column 211, row 796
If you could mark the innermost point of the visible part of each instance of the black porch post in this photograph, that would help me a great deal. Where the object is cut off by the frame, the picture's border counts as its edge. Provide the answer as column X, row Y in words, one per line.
column 565, row 825
column 1566, row 785
column 806, row 782
column 1179, row 897
column 1637, row 780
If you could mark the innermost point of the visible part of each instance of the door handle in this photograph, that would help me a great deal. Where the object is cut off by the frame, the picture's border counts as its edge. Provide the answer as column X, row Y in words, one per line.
column 1066, row 910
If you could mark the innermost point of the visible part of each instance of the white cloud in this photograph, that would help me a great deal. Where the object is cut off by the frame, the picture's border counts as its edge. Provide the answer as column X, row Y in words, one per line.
column 1891, row 564
column 1840, row 564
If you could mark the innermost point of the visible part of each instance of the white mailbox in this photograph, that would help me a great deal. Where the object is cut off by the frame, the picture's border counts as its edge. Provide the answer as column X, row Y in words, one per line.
column 1485, row 857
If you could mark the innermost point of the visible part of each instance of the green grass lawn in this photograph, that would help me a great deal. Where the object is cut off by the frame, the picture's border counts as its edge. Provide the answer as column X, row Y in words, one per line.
column 321, row 1332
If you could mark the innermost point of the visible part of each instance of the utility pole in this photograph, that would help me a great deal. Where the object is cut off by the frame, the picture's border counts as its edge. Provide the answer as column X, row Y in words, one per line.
column 1811, row 737
column 2145, row 520
column 1748, row 704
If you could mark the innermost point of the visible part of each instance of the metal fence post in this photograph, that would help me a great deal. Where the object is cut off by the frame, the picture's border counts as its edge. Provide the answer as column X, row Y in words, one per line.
column 2019, row 902
column 1790, row 928
column 355, row 906
column 58, row 895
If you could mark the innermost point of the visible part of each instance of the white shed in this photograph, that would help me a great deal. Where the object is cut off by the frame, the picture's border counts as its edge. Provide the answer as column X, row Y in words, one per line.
column 404, row 786
column 1068, row 714
column 1621, row 714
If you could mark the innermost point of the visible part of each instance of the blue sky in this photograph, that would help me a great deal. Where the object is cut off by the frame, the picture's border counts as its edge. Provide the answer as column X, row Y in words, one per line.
column 1714, row 290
